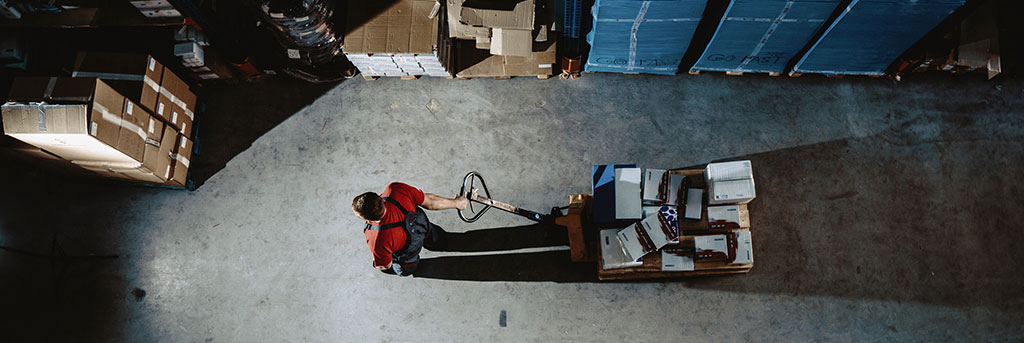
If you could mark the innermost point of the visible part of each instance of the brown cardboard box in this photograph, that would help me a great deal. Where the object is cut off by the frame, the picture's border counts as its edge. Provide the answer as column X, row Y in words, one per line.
column 472, row 62
column 181, row 157
column 104, row 131
column 484, row 13
column 456, row 29
column 184, row 102
column 164, row 102
column 131, row 138
column 164, row 159
column 404, row 27
column 134, row 76
column 511, row 42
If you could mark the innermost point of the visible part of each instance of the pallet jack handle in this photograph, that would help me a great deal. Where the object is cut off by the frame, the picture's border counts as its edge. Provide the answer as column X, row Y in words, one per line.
column 472, row 193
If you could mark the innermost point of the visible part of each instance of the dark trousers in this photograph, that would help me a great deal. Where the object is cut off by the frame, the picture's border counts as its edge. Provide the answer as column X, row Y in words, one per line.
column 436, row 240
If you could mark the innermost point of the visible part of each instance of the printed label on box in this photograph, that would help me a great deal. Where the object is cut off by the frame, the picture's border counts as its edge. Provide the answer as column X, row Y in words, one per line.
column 152, row 125
column 294, row 54
column 129, row 108
column 160, row 108
column 676, row 260
column 152, row 64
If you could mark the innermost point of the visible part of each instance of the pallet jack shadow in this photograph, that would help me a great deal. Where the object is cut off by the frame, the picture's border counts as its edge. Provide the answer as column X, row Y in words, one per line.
column 553, row 266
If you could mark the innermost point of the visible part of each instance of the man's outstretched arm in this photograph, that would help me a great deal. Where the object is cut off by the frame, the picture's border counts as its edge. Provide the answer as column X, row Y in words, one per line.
column 436, row 202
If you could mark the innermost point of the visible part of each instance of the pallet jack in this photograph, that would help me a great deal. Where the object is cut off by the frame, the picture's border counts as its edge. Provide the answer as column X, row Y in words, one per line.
column 483, row 196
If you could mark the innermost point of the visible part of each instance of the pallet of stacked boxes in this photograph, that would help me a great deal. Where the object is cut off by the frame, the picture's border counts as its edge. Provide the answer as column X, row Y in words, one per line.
column 144, row 80
column 400, row 40
column 641, row 36
column 869, row 35
column 762, row 36
column 492, row 41
column 85, row 121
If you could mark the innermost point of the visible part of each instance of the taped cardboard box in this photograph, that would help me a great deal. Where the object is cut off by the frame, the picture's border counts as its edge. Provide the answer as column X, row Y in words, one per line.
column 404, row 27
column 164, row 101
column 87, row 130
column 180, row 160
column 135, row 76
column 472, row 62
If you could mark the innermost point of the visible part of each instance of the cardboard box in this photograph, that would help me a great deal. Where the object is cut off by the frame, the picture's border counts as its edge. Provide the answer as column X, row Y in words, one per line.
column 728, row 217
column 511, row 42
column 472, row 62
column 676, row 259
column 616, row 192
column 165, row 100
column 711, row 248
column 662, row 187
column 613, row 255
column 181, row 158
column 131, row 139
column 135, row 76
column 495, row 14
column 730, row 182
column 694, row 203
column 90, row 135
column 404, row 27
column 88, row 131
column 646, row 236
column 742, row 248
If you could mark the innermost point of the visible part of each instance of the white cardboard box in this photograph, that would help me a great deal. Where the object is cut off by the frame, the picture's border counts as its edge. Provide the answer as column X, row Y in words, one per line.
column 744, row 248
column 645, row 237
column 694, row 203
column 655, row 188
column 676, row 260
column 730, row 182
column 711, row 243
column 613, row 255
column 725, row 217
column 627, row 193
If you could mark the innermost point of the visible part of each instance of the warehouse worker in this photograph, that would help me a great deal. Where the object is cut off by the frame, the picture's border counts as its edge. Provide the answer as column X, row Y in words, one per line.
column 396, row 228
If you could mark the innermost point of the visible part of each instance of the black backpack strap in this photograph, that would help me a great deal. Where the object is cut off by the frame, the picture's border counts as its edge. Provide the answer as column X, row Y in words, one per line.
column 383, row 227
column 394, row 202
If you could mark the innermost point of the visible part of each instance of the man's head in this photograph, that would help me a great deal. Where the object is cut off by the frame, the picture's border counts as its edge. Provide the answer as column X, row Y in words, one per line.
column 368, row 206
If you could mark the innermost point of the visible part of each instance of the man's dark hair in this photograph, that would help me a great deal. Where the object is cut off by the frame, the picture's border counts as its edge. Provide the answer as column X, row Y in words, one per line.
column 369, row 205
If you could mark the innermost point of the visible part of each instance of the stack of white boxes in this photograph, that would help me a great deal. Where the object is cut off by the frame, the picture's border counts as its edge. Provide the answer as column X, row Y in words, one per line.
column 398, row 64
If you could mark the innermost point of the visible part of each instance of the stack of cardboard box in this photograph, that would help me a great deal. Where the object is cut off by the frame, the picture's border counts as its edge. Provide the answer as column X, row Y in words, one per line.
column 501, row 39
column 400, row 40
column 101, row 119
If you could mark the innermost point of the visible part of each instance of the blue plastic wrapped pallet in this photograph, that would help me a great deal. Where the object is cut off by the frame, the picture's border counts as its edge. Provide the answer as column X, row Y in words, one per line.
column 870, row 34
column 762, row 36
column 631, row 36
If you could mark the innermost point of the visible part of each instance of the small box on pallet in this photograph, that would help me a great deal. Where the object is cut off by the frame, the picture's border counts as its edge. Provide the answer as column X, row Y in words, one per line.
column 181, row 159
column 729, row 182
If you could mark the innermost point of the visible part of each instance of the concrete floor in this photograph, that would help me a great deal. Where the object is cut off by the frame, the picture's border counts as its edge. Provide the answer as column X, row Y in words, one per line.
column 885, row 212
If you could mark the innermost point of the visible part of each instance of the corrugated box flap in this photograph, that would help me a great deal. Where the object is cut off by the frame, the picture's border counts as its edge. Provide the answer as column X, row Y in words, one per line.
column 498, row 14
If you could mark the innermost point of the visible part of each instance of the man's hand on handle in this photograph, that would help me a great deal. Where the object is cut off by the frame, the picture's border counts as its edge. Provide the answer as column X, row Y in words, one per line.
column 436, row 202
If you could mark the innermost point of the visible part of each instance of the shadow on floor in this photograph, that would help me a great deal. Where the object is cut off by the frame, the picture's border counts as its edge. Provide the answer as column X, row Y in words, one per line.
column 889, row 217
column 553, row 266
column 238, row 114
column 63, row 275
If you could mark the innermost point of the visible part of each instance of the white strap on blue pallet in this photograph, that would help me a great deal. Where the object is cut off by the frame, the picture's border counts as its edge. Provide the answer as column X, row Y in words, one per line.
column 632, row 34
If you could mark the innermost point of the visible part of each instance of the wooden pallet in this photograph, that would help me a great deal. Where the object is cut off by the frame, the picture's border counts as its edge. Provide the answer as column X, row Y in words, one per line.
column 503, row 77
column 407, row 77
column 735, row 73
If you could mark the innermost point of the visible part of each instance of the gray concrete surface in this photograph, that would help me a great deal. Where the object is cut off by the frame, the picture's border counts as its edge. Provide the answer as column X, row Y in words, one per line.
column 885, row 212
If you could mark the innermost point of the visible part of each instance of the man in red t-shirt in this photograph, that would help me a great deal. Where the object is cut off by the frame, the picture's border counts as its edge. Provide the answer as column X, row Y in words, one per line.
column 395, row 241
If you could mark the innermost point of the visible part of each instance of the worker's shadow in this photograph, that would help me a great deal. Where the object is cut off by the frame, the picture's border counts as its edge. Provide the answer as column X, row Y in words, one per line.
column 539, row 266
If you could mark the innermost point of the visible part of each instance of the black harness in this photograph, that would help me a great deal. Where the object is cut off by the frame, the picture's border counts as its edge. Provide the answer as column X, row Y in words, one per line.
column 415, row 225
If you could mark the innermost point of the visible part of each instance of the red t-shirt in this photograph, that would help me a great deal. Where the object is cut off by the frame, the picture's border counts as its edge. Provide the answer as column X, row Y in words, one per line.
column 383, row 243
